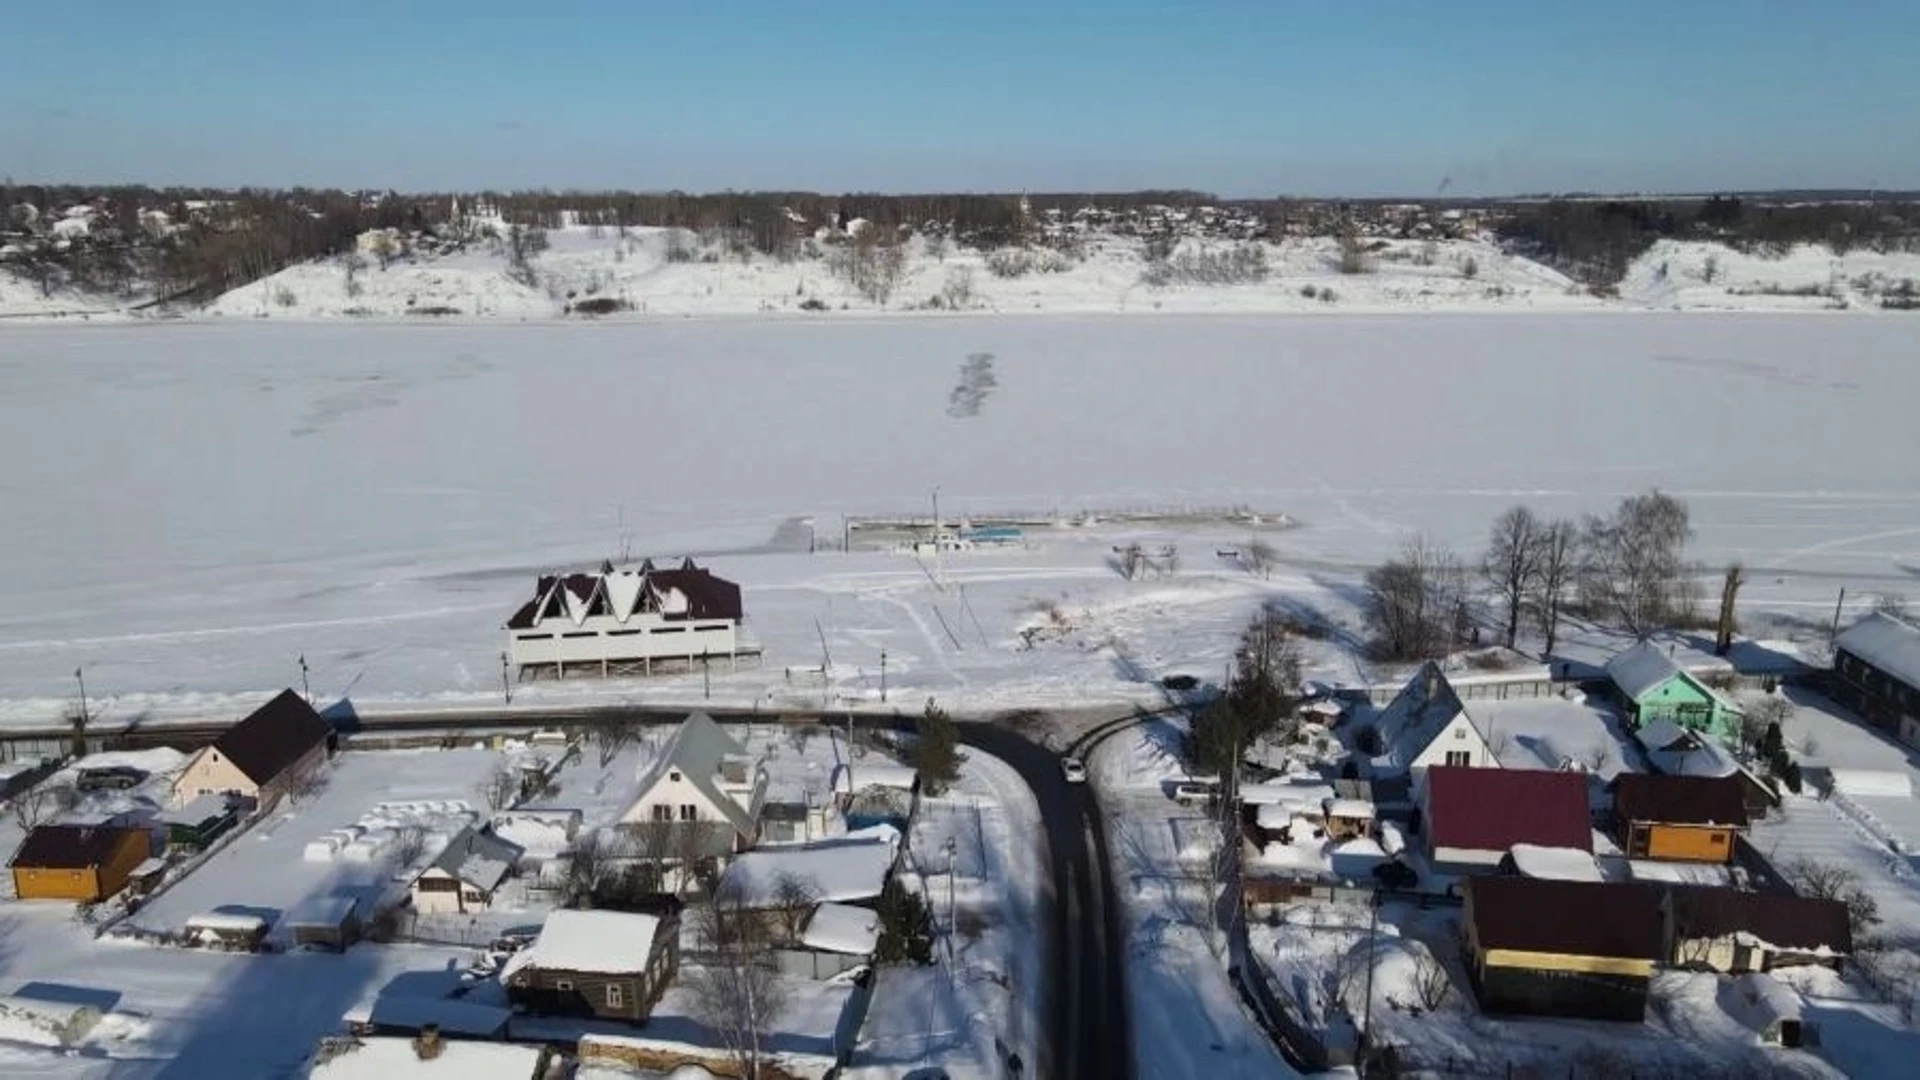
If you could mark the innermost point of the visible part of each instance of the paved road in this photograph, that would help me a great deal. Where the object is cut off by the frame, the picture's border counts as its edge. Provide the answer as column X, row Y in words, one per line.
column 1086, row 950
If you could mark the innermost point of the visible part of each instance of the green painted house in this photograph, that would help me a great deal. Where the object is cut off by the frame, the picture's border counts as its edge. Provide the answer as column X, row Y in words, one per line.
column 1650, row 687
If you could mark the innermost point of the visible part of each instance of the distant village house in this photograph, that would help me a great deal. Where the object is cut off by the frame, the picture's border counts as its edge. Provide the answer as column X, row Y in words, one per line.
column 262, row 757
column 87, row 863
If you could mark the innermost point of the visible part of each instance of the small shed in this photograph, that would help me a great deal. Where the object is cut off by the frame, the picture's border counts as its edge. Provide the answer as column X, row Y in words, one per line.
column 39, row 1022
column 1769, row 1008
column 238, row 931
column 1348, row 818
column 1650, row 687
column 328, row 922
column 145, row 878
column 201, row 821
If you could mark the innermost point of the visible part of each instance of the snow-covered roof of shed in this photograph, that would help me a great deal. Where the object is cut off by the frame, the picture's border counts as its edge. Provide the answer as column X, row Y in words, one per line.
column 478, row 859
column 1305, row 794
column 1890, row 644
column 609, row 942
column 842, row 928
column 1349, row 808
column 321, row 911
column 1554, row 863
column 452, row 1016
column 1661, row 734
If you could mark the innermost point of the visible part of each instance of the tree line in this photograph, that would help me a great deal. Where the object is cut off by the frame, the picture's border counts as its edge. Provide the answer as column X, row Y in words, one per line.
column 1626, row 569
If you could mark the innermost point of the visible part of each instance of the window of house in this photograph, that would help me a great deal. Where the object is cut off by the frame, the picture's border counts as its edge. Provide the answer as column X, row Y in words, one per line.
column 1718, row 839
column 674, row 776
column 689, row 812
column 1459, row 757
column 663, row 812
column 563, row 985
column 616, row 997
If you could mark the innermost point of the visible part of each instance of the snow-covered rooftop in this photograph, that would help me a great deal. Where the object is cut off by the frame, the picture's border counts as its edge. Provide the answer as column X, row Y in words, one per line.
column 1887, row 643
column 1559, row 864
column 458, row 1059
column 842, row 928
column 478, row 859
column 852, row 868
column 604, row 941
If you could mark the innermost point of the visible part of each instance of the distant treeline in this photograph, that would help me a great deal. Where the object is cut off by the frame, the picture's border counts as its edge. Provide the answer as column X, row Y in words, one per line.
column 1594, row 241
column 212, row 240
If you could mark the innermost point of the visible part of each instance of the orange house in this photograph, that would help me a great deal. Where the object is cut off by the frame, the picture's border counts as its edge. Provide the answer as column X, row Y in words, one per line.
column 77, row 862
column 1678, row 818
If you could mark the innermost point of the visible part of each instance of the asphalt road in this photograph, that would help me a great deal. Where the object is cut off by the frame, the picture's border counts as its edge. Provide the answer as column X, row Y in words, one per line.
column 1086, row 950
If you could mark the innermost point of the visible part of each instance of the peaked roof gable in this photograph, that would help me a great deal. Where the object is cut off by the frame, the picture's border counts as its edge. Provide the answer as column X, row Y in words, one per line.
column 1417, row 715
column 273, row 737
column 479, row 859
column 1494, row 809
column 696, row 750
column 1887, row 643
column 687, row 592
column 1642, row 669
column 1680, row 800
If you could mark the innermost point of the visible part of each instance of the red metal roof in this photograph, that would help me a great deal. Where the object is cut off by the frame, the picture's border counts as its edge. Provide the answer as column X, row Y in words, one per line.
column 1494, row 809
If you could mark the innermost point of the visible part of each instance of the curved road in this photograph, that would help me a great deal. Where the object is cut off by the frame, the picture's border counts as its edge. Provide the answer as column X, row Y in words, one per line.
column 1086, row 948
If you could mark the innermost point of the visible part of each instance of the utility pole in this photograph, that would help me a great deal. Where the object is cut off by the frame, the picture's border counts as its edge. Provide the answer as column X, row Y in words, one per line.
column 1835, row 632
column 84, row 714
column 883, row 676
column 306, row 689
column 506, row 680
column 950, row 846
column 706, row 677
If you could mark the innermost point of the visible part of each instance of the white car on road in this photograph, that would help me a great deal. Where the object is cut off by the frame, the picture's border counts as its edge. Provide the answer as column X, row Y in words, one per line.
column 1074, row 770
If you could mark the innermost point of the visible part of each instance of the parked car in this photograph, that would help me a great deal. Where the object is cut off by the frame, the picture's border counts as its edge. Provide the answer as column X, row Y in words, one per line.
column 110, row 778
column 1074, row 770
column 1195, row 792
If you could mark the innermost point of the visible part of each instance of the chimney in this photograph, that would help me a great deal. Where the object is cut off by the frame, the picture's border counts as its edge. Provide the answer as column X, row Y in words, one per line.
column 427, row 1044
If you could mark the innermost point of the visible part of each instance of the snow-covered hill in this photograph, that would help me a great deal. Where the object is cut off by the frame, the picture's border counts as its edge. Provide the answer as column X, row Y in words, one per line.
column 656, row 272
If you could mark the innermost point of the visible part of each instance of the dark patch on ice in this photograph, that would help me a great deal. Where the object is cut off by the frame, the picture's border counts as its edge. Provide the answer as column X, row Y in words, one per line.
column 976, row 384
column 1755, row 369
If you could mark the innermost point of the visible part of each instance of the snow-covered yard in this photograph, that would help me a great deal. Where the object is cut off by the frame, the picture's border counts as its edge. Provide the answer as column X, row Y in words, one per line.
column 276, row 865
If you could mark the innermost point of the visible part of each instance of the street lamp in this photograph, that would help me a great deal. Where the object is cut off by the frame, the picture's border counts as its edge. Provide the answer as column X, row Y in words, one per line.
column 883, row 676
column 506, row 680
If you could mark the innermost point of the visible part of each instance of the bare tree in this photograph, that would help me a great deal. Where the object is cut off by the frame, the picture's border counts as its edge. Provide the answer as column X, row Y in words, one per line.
column 1597, row 756
column 1635, row 571
column 43, row 804
column 1559, row 548
column 652, row 842
column 1726, row 624
column 691, row 853
column 587, row 868
column 1511, row 564
column 1258, row 557
column 501, row 787
column 1415, row 604
column 737, row 990
column 794, row 898
column 1824, row 881
column 1431, row 984
column 1893, row 604
column 408, row 845
column 1498, row 742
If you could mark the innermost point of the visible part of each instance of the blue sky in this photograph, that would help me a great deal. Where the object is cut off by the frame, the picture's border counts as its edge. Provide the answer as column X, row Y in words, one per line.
column 1241, row 97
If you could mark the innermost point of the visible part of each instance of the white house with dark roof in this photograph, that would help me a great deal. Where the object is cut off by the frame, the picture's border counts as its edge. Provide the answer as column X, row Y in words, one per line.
column 1426, row 724
column 622, row 622
column 703, row 780
column 1876, row 673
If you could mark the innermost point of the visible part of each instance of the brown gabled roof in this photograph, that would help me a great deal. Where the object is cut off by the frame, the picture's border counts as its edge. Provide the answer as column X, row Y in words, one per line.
column 1792, row 923
column 1574, row 918
column 708, row 597
column 1680, row 800
column 71, row 847
column 275, row 736
column 1494, row 809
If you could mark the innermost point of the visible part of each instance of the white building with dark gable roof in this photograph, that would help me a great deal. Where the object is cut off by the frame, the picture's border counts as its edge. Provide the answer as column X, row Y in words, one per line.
column 622, row 622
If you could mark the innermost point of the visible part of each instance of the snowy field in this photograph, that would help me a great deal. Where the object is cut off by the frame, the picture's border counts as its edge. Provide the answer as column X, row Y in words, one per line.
column 378, row 498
